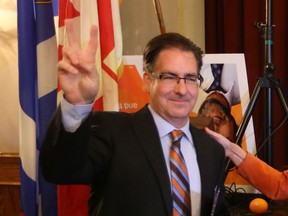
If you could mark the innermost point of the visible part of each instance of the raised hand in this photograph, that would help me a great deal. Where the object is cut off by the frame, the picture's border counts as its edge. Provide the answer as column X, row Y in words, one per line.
column 77, row 72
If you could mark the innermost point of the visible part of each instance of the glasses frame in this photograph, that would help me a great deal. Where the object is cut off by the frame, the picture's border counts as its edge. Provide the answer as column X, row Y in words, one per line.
column 160, row 77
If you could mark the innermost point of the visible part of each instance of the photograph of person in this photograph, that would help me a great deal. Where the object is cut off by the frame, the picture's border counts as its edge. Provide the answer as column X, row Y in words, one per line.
column 217, row 107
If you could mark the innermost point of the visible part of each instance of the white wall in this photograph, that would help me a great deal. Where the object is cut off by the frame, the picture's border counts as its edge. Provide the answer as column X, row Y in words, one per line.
column 140, row 22
column 8, row 77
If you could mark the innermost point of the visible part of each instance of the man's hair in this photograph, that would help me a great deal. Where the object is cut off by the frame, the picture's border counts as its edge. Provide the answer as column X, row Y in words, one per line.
column 167, row 41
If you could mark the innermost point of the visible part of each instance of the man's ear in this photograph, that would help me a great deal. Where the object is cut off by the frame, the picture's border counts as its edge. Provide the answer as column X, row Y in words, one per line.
column 146, row 82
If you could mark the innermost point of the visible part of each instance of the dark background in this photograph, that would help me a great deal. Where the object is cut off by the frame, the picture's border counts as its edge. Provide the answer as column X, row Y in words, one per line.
column 229, row 28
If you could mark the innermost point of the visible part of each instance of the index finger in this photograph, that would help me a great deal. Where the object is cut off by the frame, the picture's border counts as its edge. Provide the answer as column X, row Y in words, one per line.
column 213, row 134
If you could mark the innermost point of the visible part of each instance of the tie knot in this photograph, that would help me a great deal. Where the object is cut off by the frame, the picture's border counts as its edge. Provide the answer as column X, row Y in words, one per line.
column 177, row 135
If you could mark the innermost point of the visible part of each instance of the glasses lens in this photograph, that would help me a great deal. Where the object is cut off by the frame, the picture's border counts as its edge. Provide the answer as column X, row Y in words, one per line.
column 172, row 79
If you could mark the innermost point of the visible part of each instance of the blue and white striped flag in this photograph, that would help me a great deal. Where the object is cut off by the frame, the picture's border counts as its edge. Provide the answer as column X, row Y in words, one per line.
column 37, row 51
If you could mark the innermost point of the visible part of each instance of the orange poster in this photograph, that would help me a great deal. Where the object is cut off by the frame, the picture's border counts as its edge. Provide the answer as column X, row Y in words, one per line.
column 131, row 94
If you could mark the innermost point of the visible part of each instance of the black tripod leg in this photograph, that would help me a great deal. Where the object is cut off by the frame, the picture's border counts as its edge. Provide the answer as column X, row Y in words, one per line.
column 248, row 112
column 245, row 120
column 269, row 125
column 273, row 83
column 282, row 99
column 262, row 82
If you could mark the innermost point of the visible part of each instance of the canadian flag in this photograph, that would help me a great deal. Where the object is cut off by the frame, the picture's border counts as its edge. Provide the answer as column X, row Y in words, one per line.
column 73, row 199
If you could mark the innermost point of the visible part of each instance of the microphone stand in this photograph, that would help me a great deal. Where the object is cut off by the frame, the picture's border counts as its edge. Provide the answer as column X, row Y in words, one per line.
column 267, row 82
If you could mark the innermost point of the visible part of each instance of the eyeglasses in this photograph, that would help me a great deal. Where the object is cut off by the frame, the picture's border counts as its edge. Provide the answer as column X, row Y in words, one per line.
column 171, row 79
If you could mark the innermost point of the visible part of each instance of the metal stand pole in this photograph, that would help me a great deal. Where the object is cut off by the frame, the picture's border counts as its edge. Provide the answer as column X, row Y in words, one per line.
column 268, row 82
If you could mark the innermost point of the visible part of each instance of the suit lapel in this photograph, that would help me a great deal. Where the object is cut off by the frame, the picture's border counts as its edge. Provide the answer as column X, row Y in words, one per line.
column 201, row 156
column 147, row 133
column 204, row 167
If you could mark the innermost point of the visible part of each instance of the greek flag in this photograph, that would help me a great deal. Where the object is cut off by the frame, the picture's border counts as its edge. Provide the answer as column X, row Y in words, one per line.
column 37, row 53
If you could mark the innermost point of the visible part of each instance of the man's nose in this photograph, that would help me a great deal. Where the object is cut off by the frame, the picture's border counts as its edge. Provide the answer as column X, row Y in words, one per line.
column 181, row 86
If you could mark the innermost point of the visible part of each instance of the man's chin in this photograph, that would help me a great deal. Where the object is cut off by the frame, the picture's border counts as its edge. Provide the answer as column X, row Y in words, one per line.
column 180, row 114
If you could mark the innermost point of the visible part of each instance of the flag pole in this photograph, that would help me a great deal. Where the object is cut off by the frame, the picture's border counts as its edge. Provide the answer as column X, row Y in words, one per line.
column 159, row 16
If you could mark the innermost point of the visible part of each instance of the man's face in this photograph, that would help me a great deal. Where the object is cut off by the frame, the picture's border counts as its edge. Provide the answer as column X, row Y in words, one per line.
column 173, row 102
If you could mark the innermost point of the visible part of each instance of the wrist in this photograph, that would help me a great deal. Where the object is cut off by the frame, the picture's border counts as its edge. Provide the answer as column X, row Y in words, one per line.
column 75, row 102
column 236, row 154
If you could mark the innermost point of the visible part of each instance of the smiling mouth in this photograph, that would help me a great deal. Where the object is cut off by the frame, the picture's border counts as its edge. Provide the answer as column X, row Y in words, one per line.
column 179, row 101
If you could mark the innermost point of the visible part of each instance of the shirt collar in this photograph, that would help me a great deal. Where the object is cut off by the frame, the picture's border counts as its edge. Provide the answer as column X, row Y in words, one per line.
column 165, row 127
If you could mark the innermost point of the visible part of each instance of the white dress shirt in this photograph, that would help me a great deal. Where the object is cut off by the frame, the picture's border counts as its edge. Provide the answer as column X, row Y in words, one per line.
column 189, row 154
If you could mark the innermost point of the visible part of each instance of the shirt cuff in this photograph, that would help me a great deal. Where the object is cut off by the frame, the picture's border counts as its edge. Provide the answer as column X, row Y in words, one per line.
column 73, row 115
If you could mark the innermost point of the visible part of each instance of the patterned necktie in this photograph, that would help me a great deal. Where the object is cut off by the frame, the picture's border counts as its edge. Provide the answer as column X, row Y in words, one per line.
column 179, row 178
column 217, row 73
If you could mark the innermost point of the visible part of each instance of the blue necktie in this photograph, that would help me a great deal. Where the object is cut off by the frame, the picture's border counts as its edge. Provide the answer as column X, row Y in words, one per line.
column 217, row 73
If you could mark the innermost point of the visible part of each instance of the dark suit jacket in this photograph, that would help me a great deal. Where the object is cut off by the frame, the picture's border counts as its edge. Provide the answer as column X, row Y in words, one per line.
column 120, row 156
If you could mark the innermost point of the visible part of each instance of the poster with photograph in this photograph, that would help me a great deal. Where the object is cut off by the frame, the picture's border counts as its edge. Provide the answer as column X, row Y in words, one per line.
column 225, row 76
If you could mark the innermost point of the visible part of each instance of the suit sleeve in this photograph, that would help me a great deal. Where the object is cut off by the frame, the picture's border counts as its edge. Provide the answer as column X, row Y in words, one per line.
column 71, row 158
column 265, row 178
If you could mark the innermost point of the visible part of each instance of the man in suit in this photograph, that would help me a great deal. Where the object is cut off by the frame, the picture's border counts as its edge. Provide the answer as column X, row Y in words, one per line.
column 126, row 157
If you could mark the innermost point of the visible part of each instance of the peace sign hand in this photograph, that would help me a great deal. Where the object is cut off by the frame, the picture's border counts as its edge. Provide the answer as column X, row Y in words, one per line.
column 77, row 72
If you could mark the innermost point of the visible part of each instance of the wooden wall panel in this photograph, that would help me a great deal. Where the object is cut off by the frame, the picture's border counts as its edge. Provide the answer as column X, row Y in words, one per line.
column 9, row 185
